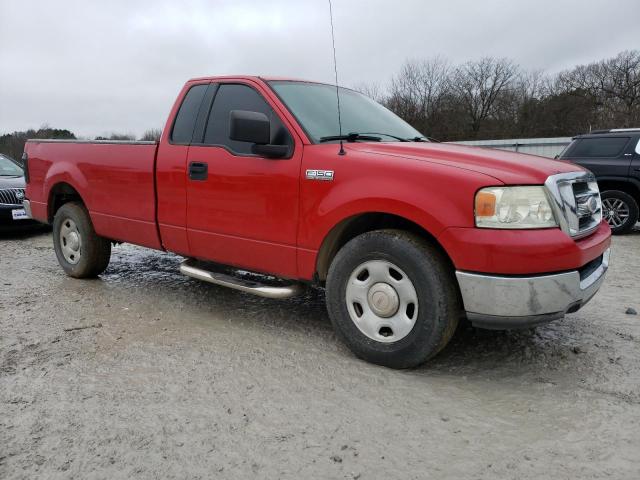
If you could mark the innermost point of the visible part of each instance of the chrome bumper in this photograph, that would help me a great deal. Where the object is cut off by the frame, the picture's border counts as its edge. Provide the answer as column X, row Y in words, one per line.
column 26, row 204
column 501, row 302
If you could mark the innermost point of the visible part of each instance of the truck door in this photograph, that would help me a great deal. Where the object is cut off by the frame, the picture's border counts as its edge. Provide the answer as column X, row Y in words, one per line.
column 242, row 209
column 171, row 165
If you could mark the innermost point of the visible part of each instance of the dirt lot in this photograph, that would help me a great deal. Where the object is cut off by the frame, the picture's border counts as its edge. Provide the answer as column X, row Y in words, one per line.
column 180, row 379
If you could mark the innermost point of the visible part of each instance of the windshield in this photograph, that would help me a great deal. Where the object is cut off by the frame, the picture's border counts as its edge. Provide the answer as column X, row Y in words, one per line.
column 316, row 108
column 8, row 168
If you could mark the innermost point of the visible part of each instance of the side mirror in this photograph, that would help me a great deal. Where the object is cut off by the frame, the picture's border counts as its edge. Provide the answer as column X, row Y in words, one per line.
column 255, row 127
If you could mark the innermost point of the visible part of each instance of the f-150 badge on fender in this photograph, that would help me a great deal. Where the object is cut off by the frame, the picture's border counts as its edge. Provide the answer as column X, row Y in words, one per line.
column 326, row 175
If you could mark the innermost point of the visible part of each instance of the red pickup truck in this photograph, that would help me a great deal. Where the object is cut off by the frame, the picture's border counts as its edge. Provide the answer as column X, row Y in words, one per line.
column 407, row 236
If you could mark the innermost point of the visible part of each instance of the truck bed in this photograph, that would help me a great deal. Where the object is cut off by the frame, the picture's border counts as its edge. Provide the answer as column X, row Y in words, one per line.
column 116, row 179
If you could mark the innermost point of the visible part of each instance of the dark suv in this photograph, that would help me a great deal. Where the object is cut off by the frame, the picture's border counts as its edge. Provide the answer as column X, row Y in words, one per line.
column 614, row 157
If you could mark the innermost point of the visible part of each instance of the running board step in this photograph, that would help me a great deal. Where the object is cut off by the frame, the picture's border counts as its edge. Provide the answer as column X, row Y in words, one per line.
column 193, row 268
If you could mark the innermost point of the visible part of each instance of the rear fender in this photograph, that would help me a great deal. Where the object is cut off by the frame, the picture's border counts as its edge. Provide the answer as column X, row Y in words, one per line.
column 69, row 173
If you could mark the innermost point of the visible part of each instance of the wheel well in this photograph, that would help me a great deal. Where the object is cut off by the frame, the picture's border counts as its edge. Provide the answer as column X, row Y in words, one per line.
column 60, row 194
column 626, row 187
column 359, row 224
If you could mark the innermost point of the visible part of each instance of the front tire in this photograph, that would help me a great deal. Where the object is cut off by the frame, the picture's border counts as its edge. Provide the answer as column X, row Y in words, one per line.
column 620, row 210
column 392, row 298
column 80, row 251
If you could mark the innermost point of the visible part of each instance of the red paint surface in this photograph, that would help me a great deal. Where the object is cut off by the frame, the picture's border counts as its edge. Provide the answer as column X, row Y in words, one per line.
column 116, row 183
column 521, row 251
column 265, row 215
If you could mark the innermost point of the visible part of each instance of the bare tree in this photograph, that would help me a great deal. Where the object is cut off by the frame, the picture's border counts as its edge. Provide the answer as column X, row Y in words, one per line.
column 618, row 80
column 530, row 85
column 372, row 90
column 521, row 104
column 119, row 136
column 478, row 86
column 612, row 84
column 153, row 135
column 418, row 91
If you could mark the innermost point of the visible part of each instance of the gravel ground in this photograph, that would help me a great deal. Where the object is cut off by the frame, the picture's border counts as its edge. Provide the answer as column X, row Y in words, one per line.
column 145, row 373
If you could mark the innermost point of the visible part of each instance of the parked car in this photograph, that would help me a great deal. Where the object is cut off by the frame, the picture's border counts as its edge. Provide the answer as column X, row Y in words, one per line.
column 12, row 192
column 614, row 157
column 406, row 235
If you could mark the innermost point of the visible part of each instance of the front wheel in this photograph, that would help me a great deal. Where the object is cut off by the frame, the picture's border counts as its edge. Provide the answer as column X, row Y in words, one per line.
column 392, row 298
column 620, row 210
column 80, row 251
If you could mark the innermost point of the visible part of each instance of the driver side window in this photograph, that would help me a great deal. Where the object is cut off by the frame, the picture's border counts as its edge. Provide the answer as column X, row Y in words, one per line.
column 240, row 97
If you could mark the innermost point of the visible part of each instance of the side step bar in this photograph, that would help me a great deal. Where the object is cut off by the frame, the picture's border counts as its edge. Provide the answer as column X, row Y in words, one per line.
column 189, row 268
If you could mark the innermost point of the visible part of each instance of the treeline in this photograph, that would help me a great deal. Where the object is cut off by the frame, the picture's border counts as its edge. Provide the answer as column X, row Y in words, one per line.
column 152, row 135
column 493, row 98
column 12, row 144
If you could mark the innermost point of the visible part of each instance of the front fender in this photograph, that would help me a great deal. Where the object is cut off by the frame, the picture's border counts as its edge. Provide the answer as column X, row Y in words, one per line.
column 362, row 206
column 434, row 204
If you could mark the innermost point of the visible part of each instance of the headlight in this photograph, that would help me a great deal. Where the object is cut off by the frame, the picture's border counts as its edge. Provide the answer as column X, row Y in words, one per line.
column 514, row 207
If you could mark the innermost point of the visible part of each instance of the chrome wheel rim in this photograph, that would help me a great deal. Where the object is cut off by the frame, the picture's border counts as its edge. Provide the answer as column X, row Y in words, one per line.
column 382, row 301
column 70, row 241
column 616, row 212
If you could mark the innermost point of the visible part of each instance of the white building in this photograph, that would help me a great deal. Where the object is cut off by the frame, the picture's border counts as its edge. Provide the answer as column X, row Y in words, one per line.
column 545, row 147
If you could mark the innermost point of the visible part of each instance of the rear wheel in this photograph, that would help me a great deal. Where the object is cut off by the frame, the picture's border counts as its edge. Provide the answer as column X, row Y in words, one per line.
column 620, row 210
column 392, row 298
column 80, row 251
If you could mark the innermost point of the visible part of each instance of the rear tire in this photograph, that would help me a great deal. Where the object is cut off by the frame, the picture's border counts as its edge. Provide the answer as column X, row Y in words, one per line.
column 80, row 251
column 620, row 210
column 392, row 298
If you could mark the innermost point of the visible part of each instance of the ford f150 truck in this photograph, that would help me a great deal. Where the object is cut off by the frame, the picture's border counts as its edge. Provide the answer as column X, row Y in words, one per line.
column 407, row 236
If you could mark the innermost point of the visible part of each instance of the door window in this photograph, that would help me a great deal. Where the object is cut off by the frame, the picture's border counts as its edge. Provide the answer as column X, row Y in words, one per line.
column 186, row 118
column 240, row 97
column 598, row 147
column 638, row 147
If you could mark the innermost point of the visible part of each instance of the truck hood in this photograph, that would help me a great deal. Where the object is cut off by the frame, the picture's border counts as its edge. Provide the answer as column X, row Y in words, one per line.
column 508, row 167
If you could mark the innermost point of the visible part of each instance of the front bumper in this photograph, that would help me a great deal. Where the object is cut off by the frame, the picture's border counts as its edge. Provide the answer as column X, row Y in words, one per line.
column 504, row 301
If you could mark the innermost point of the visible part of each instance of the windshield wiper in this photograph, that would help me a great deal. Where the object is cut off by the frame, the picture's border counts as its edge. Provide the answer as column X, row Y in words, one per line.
column 424, row 139
column 400, row 139
column 373, row 137
column 420, row 138
column 351, row 137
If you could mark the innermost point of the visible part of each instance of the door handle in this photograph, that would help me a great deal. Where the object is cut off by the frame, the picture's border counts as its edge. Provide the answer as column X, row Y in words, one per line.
column 198, row 171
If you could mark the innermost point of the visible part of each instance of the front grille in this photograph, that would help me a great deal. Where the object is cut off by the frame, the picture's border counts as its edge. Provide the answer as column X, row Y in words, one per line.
column 577, row 203
column 11, row 196
column 588, row 205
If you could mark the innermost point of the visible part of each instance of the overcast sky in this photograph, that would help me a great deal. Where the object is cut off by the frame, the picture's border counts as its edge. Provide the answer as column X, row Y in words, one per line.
column 97, row 67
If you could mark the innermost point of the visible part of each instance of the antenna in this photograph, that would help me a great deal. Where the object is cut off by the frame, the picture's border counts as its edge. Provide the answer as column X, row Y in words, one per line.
column 335, row 70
